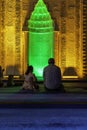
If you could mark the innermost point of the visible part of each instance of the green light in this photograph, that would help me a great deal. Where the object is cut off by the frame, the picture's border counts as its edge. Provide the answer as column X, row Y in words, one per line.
column 41, row 38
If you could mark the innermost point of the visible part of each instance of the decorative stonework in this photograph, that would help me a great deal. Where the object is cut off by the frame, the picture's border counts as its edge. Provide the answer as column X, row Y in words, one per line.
column 18, row 37
column 11, row 37
column 62, row 43
column 9, row 33
column 2, row 51
column 84, row 38
column 69, row 41
column 41, row 38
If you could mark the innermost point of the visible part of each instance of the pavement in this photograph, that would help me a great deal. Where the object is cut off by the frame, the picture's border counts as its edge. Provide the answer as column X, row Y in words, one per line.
column 75, row 96
column 44, row 111
column 43, row 119
column 43, row 100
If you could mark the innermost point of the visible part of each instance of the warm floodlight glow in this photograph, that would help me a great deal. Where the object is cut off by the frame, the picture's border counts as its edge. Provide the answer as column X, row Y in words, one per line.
column 41, row 38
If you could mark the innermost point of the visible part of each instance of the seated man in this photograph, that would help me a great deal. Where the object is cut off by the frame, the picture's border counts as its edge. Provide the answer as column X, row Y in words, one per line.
column 52, row 77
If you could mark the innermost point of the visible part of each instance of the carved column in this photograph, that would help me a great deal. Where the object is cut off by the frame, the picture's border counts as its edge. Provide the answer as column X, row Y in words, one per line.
column 9, row 33
column 13, row 37
column 56, row 47
column 62, row 49
column 2, row 48
column 18, row 37
column 79, row 37
column 85, row 38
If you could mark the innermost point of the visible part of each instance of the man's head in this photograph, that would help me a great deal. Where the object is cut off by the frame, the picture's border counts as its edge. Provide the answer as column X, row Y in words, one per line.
column 51, row 61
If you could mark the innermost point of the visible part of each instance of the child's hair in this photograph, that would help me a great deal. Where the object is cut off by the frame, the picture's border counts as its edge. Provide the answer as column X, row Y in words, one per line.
column 29, row 69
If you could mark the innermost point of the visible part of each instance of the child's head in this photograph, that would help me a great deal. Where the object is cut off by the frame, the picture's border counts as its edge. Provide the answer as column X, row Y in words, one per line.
column 29, row 69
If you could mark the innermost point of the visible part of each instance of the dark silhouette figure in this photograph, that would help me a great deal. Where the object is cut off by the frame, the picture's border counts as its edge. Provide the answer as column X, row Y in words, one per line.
column 10, row 81
column 1, row 76
column 52, row 77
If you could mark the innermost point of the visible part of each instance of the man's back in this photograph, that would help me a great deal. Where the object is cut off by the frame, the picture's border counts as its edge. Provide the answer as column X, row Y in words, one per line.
column 52, row 76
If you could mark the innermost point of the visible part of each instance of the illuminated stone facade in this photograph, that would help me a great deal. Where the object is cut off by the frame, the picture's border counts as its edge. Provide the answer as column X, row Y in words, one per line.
column 85, row 38
column 70, row 49
column 11, row 36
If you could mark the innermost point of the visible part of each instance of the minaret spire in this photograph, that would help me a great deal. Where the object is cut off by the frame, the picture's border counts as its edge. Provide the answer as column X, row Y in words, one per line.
column 41, row 30
column 40, row 18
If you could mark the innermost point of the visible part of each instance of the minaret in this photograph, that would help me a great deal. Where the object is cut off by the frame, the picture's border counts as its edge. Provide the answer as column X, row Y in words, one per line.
column 41, row 38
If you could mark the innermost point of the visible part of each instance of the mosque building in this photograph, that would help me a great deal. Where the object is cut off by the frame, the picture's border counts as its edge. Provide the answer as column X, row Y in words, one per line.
column 70, row 35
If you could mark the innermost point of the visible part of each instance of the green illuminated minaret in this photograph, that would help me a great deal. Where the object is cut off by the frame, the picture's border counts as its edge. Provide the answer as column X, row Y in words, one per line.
column 41, row 38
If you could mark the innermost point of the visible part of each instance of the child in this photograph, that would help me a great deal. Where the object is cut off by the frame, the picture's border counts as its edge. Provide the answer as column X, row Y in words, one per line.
column 30, row 80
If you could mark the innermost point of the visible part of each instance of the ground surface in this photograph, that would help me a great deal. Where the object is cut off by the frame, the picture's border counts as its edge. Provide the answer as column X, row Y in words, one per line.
column 70, row 87
column 44, row 111
column 76, row 92
column 43, row 119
